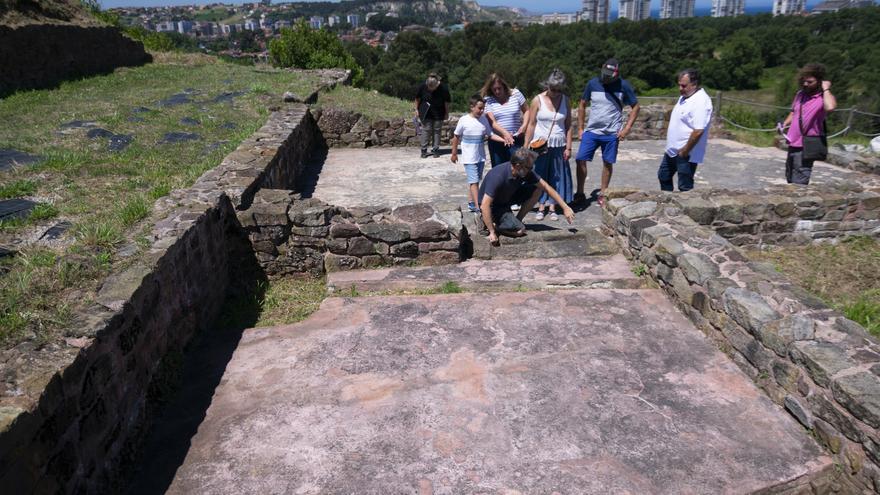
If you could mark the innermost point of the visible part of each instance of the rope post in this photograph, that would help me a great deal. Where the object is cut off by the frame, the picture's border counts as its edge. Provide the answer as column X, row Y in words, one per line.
column 717, row 110
column 849, row 120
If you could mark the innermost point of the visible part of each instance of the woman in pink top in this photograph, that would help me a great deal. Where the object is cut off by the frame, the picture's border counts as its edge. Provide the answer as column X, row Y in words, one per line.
column 808, row 110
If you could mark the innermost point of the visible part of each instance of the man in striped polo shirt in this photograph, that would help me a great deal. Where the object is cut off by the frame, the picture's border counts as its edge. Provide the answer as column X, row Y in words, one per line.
column 607, row 95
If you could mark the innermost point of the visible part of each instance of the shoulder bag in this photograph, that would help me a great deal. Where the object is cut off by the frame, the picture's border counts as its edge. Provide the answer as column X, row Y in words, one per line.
column 815, row 147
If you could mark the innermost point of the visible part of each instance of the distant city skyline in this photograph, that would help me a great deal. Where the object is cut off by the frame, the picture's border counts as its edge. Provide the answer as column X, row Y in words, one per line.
column 536, row 6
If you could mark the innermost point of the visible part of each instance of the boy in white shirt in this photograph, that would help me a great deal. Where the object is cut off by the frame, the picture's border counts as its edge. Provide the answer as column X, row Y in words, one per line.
column 471, row 132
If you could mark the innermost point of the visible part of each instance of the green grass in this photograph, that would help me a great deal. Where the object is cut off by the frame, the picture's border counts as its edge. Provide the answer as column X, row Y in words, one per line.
column 290, row 300
column 18, row 188
column 370, row 103
column 106, row 194
column 845, row 275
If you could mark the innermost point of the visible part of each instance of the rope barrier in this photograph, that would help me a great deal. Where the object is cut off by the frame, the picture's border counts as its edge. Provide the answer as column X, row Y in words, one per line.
column 866, row 134
column 754, row 103
column 845, row 129
column 865, row 113
column 725, row 119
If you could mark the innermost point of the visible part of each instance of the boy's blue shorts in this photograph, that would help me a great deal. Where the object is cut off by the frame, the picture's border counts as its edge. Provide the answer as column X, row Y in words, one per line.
column 590, row 141
column 474, row 171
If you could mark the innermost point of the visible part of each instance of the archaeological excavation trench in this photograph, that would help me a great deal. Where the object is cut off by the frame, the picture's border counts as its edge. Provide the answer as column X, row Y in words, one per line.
column 555, row 369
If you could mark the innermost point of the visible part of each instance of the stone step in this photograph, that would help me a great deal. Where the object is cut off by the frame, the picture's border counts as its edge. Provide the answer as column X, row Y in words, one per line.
column 579, row 391
column 546, row 239
column 606, row 272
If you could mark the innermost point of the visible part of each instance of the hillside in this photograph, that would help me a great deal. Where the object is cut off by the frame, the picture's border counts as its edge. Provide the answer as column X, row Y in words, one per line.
column 424, row 11
column 14, row 13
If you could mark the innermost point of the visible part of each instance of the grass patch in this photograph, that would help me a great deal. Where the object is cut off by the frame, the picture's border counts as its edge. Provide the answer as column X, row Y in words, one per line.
column 18, row 188
column 291, row 300
column 103, row 193
column 370, row 103
column 845, row 275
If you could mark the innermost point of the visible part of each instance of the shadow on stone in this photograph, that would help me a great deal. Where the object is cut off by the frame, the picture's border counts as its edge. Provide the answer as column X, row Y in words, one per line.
column 54, row 232
column 313, row 172
column 189, row 388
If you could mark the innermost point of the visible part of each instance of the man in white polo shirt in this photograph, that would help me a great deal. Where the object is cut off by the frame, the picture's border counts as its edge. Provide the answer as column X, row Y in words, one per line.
column 687, row 133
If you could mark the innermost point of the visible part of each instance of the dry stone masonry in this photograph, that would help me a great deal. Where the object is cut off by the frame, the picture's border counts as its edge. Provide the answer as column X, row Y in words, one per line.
column 809, row 359
column 343, row 128
column 291, row 235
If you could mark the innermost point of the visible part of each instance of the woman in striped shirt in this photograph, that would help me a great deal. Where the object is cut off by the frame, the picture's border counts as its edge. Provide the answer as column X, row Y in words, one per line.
column 508, row 113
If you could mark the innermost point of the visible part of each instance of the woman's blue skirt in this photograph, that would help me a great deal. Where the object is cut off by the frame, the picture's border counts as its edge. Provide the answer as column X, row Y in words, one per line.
column 552, row 168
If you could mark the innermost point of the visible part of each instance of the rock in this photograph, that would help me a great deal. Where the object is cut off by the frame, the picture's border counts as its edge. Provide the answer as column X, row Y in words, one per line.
column 700, row 210
column 407, row 249
column 797, row 410
column 313, row 216
column 748, row 309
column 859, row 393
column 56, row 231
column 430, row 230
column 174, row 100
column 361, row 246
column 16, row 208
column 779, row 334
column 875, row 145
column 386, row 232
column 414, row 213
column 344, row 230
column 119, row 287
column 10, row 158
column 828, row 435
column 290, row 97
column 439, row 258
column 227, row 97
column 189, row 121
column 335, row 262
column 668, row 249
column 698, row 268
column 179, row 137
column 637, row 210
column 116, row 142
column 822, row 359
column 651, row 234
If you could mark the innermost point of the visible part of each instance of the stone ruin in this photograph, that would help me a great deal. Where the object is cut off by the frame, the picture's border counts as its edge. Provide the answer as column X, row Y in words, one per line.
column 72, row 412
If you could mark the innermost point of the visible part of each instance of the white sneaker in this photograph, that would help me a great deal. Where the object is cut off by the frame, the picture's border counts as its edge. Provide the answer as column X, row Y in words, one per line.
column 514, row 207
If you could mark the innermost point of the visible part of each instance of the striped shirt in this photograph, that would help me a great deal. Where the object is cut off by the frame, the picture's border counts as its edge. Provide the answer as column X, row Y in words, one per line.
column 508, row 115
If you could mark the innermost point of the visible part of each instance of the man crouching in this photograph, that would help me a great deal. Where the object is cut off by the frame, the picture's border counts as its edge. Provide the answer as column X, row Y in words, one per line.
column 513, row 183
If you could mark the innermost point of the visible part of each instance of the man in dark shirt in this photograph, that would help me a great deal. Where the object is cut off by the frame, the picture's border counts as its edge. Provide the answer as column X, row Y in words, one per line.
column 432, row 108
column 512, row 183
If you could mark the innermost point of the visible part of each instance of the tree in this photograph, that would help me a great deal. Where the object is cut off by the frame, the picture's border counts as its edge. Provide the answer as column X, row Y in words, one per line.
column 305, row 48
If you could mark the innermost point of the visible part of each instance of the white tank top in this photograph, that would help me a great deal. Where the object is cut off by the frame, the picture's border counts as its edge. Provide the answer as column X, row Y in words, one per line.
column 544, row 119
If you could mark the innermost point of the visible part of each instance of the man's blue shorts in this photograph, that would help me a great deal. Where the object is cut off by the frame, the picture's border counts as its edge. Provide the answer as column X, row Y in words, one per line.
column 590, row 141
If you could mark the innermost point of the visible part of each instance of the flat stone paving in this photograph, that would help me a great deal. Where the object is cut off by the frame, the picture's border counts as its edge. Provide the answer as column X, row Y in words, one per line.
column 396, row 176
column 602, row 391
column 606, row 272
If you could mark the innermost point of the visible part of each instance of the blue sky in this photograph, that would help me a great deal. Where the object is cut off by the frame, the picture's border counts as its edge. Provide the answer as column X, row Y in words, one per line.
column 532, row 5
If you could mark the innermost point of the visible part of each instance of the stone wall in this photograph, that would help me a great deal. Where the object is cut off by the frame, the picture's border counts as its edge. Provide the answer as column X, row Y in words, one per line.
column 342, row 128
column 809, row 359
column 291, row 235
column 784, row 214
column 71, row 412
column 42, row 55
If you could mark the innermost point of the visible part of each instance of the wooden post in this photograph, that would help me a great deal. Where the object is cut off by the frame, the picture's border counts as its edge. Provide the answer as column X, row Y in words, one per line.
column 717, row 110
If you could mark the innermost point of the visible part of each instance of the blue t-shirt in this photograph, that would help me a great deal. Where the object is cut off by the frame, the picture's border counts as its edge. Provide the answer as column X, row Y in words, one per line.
column 606, row 114
column 500, row 184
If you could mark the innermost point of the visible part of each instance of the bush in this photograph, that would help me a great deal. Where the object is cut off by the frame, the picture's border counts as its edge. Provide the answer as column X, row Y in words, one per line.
column 305, row 48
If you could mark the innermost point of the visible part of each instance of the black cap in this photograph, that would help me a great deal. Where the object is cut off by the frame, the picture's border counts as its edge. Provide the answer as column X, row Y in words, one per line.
column 611, row 68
